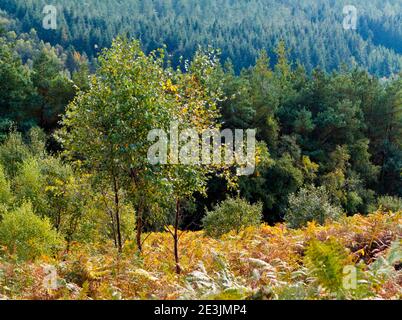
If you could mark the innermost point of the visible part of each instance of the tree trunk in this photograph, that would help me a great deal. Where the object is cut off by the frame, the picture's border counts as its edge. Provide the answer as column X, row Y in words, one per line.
column 117, row 213
column 139, row 209
column 176, row 237
column 68, row 246
column 119, row 241
column 112, row 218
column 139, row 227
column 58, row 220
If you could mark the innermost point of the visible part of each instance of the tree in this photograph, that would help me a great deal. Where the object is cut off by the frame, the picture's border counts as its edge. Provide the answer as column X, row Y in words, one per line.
column 67, row 194
column 16, row 89
column 54, row 89
column 27, row 235
column 5, row 191
column 233, row 214
column 107, row 127
column 386, row 138
column 314, row 32
column 196, row 92
column 311, row 204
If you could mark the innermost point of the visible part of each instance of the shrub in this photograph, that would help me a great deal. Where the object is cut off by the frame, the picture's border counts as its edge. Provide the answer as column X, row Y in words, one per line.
column 96, row 226
column 231, row 214
column 26, row 235
column 311, row 204
column 5, row 190
column 388, row 203
column 13, row 152
column 15, row 149
column 37, row 142
column 30, row 185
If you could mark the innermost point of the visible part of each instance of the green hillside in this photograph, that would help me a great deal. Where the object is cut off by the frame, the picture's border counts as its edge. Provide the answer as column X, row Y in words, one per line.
column 312, row 29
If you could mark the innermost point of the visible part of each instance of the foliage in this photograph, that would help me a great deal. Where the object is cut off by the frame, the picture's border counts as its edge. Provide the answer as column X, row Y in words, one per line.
column 388, row 203
column 16, row 88
column 328, row 143
column 313, row 30
column 26, row 235
column 320, row 128
column 261, row 262
column 232, row 214
column 311, row 204
column 50, row 185
column 97, row 223
column 106, row 128
column 29, row 185
column 13, row 152
column 325, row 261
column 5, row 189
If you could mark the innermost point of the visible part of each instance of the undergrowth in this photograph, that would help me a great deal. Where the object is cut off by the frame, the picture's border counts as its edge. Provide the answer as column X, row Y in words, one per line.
column 357, row 257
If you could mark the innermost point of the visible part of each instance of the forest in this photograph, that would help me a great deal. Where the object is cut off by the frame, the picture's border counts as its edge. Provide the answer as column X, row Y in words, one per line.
column 312, row 29
column 85, row 215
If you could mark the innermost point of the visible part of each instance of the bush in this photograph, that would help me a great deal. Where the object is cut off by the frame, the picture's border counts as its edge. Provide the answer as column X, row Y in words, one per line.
column 16, row 149
column 231, row 214
column 30, row 185
column 311, row 204
column 388, row 203
column 95, row 225
column 5, row 190
column 13, row 152
column 26, row 235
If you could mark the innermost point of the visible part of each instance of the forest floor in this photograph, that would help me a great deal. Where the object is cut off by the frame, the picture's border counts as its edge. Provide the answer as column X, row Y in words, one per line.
column 264, row 262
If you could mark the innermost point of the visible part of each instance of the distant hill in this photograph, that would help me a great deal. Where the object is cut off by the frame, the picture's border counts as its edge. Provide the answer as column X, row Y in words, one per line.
column 312, row 29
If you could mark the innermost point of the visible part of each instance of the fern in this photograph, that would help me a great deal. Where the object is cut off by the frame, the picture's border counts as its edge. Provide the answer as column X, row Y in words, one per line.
column 326, row 261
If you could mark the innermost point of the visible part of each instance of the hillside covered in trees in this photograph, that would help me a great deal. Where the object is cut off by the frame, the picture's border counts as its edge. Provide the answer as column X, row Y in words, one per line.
column 312, row 29
column 79, row 193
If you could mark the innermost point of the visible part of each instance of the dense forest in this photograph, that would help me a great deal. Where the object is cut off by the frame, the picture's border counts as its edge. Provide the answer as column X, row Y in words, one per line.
column 77, row 189
column 312, row 29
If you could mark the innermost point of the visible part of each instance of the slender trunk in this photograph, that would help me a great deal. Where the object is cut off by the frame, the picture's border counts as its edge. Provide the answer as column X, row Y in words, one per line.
column 112, row 218
column 119, row 241
column 139, row 228
column 68, row 246
column 117, row 213
column 176, row 237
column 70, row 232
column 113, row 229
column 58, row 220
column 139, row 209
